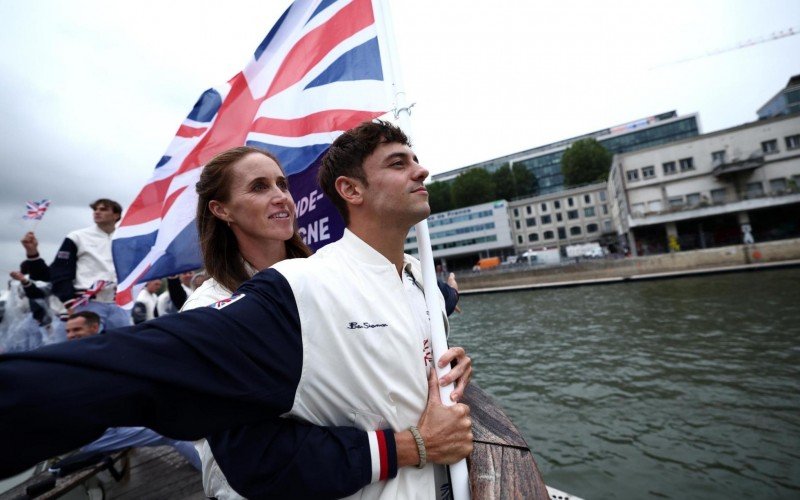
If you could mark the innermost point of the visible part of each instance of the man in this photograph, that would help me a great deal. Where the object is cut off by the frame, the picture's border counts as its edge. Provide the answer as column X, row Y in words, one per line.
column 82, row 324
column 337, row 339
column 83, row 259
column 146, row 306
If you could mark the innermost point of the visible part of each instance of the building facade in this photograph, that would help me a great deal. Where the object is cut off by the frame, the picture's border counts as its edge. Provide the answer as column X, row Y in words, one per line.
column 574, row 216
column 785, row 102
column 460, row 237
column 545, row 161
column 727, row 187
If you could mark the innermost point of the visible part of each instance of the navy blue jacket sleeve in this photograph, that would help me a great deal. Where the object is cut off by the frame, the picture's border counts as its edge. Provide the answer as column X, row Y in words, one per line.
column 450, row 295
column 285, row 458
column 62, row 270
column 36, row 269
column 176, row 293
column 183, row 375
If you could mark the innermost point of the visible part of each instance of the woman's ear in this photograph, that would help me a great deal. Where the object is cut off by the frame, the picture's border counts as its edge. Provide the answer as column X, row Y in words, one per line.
column 219, row 211
column 351, row 190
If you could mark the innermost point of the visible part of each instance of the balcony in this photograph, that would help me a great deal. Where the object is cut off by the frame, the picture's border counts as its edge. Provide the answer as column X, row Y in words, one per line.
column 725, row 168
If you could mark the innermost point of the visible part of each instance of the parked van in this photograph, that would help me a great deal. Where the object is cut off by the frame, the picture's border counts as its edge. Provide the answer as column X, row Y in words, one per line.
column 488, row 263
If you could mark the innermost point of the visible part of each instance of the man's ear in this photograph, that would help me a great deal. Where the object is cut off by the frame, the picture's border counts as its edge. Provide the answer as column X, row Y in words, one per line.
column 219, row 211
column 351, row 190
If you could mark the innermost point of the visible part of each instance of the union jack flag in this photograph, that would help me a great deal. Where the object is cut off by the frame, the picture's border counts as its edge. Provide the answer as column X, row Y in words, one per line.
column 320, row 71
column 34, row 210
column 90, row 292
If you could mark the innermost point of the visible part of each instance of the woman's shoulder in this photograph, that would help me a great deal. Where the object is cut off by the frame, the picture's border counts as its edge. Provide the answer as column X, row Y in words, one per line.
column 208, row 293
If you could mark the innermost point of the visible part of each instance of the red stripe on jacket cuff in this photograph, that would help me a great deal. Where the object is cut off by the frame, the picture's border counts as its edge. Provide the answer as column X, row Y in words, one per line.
column 388, row 454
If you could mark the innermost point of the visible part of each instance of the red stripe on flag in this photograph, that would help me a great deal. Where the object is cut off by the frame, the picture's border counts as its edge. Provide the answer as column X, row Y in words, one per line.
column 147, row 205
column 384, row 475
column 170, row 200
column 310, row 49
column 189, row 132
column 231, row 125
column 323, row 121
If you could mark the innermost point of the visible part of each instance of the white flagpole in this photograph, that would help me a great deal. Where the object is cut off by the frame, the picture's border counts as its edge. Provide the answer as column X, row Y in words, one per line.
column 459, row 475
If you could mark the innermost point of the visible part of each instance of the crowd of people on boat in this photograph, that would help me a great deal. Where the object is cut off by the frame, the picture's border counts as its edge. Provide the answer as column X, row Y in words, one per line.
column 216, row 357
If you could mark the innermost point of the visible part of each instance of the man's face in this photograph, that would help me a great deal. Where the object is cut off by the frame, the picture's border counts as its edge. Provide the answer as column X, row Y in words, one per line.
column 78, row 328
column 395, row 193
column 103, row 214
column 153, row 286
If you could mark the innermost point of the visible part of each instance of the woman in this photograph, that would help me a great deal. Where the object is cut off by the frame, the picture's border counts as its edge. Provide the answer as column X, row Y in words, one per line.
column 246, row 223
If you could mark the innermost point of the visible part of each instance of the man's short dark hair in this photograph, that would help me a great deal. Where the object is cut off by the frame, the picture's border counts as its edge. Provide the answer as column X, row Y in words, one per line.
column 91, row 318
column 113, row 205
column 346, row 157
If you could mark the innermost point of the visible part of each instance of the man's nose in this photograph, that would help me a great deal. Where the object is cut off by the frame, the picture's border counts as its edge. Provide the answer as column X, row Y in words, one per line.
column 421, row 173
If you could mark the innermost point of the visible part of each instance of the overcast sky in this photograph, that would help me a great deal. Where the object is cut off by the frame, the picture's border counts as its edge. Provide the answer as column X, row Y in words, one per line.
column 91, row 92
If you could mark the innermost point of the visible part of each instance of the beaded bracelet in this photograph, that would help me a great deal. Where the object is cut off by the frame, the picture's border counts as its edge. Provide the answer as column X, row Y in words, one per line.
column 423, row 455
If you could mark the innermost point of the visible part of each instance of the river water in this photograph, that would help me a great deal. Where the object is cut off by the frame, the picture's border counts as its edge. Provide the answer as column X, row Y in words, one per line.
column 684, row 388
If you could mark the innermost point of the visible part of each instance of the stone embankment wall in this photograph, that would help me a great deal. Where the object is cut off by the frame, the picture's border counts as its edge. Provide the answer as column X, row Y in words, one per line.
column 736, row 255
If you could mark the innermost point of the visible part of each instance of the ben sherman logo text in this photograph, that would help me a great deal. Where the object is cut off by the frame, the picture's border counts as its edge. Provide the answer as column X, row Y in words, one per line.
column 357, row 326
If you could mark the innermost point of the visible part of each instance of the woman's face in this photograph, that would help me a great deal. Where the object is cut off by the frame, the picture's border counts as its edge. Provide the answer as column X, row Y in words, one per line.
column 260, row 208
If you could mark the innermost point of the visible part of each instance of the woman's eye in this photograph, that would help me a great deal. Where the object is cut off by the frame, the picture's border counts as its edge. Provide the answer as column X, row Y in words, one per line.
column 283, row 184
column 259, row 186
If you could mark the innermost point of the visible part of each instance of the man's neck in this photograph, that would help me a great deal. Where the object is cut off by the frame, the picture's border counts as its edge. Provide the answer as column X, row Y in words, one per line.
column 107, row 228
column 386, row 240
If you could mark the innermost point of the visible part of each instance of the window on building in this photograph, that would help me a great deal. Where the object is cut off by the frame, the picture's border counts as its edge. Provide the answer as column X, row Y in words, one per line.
column 693, row 199
column 717, row 158
column 559, row 217
column 530, row 221
column 533, row 237
column 654, row 206
column 572, row 214
column 591, row 228
column 516, row 212
column 547, row 219
column 686, row 164
column 633, row 175
column 719, row 195
column 777, row 186
column 562, row 233
column 769, row 147
column 588, row 212
column 602, row 195
column 575, row 231
column 587, row 198
column 519, row 239
column 668, row 168
column 793, row 142
column 529, row 210
column 605, row 209
column 571, row 202
column 557, row 204
column 648, row 172
column 637, row 209
column 516, row 224
column 548, row 235
column 754, row 190
column 676, row 202
column 607, row 225
column 543, row 206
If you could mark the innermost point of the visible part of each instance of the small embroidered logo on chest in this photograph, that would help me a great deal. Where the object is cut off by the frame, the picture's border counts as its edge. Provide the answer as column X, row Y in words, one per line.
column 365, row 325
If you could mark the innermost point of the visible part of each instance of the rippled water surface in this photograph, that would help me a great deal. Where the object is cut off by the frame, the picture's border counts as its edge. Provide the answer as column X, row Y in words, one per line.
column 686, row 388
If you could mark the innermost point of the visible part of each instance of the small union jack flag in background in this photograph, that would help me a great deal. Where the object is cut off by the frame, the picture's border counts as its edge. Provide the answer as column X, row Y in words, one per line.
column 34, row 210
column 90, row 292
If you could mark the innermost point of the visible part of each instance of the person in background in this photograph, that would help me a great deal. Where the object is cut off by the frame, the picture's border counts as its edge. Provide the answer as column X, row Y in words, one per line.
column 83, row 260
column 145, row 308
column 82, row 324
column 178, row 290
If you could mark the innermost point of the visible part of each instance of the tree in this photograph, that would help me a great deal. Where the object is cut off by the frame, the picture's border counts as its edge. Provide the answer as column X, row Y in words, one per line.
column 584, row 162
column 472, row 188
column 515, row 182
column 440, row 197
column 526, row 181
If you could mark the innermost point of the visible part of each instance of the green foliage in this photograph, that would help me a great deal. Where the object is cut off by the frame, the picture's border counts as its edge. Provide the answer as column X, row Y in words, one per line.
column 473, row 187
column 440, row 197
column 515, row 182
column 584, row 162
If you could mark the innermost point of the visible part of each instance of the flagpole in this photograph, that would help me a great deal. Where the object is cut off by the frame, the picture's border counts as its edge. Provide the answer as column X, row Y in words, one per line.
column 459, row 475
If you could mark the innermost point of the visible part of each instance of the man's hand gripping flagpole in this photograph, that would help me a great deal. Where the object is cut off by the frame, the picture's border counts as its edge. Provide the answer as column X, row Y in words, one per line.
column 459, row 475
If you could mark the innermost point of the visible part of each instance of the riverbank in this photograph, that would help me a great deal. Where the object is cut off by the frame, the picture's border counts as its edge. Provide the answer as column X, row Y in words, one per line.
column 735, row 258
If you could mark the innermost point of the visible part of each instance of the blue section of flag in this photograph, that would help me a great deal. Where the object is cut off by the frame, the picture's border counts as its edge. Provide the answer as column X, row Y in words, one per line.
column 128, row 252
column 322, row 6
column 181, row 255
column 163, row 161
column 206, row 107
column 360, row 63
column 268, row 39
column 294, row 160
